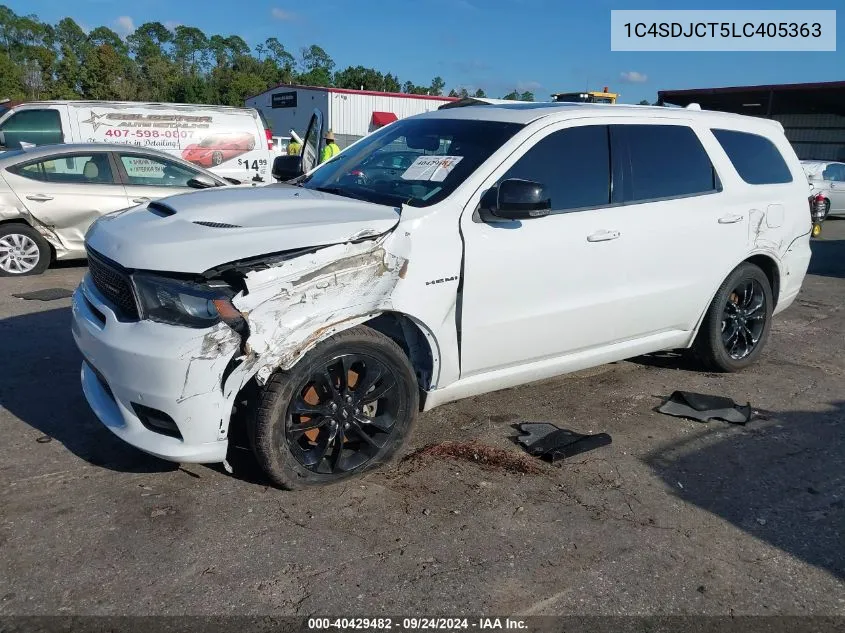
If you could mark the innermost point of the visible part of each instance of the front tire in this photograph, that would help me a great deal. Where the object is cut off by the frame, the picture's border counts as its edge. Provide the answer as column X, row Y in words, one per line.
column 346, row 407
column 22, row 251
column 737, row 324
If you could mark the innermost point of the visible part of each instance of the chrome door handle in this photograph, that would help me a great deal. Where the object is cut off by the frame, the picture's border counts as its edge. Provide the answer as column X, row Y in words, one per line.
column 140, row 200
column 39, row 197
column 603, row 236
column 730, row 219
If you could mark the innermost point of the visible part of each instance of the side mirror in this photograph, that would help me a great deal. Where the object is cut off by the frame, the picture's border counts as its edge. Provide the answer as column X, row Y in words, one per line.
column 287, row 167
column 201, row 181
column 515, row 199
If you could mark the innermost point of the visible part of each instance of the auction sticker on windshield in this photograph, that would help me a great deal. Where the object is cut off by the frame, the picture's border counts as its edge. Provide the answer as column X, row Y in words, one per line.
column 433, row 168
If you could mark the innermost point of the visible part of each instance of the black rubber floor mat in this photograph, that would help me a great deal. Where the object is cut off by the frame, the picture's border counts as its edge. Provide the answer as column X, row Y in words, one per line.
column 702, row 407
column 552, row 443
column 48, row 294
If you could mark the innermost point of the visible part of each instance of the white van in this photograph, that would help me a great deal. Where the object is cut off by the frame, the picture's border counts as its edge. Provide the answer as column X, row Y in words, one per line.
column 232, row 142
column 450, row 254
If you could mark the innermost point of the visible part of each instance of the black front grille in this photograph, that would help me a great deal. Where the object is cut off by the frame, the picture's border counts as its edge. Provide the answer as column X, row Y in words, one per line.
column 113, row 282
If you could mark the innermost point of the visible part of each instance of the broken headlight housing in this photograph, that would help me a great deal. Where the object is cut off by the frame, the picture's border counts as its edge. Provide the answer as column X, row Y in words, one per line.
column 185, row 303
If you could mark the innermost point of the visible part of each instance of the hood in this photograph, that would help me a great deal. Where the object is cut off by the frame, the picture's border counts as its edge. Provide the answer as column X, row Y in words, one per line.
column 193, row 232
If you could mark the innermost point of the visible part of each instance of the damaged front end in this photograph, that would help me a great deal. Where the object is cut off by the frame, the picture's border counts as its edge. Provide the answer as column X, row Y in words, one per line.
column 281, row 306
column 195, row 342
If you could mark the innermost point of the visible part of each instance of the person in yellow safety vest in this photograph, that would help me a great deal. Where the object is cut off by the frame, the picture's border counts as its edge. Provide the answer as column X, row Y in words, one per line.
column 295, row 145
column 331, row 149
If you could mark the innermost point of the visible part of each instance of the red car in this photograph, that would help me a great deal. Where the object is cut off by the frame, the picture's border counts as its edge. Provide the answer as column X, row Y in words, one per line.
column 217, row 148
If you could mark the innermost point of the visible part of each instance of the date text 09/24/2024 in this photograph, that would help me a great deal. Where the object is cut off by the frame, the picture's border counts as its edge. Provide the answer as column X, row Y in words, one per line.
column 414, row 624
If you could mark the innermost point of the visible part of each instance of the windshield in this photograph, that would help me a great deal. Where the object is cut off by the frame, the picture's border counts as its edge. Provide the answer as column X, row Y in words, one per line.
column 417, row 162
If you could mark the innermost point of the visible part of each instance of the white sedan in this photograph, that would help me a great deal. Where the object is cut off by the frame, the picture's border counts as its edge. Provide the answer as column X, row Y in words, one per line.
column 50, row 195
column 828, row 180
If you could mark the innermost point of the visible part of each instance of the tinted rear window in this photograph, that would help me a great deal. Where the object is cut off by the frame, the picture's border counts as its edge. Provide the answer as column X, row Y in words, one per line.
column 665, row 161
column 755, row 158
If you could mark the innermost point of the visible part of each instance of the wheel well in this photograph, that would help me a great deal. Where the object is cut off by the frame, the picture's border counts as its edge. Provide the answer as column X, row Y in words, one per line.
column 14, row 221
column 25, row 223
column 408, row 335
column 770, row 267
column 396, row 326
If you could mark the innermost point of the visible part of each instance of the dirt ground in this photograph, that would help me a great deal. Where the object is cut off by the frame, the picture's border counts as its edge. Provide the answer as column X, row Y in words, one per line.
column 674, row 517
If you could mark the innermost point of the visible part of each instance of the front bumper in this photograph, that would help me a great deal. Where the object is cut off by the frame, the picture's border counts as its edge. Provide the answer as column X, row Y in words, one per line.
column 171, row 369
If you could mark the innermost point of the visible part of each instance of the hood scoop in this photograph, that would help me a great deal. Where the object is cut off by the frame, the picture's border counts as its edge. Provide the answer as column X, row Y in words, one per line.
column 160, row 209
column 218, row 225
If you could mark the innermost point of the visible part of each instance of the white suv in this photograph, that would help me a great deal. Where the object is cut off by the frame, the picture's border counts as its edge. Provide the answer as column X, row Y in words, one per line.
column 447, row 255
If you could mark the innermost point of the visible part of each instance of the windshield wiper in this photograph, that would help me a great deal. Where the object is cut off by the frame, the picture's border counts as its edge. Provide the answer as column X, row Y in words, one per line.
column 376, row 197
column 338, row 191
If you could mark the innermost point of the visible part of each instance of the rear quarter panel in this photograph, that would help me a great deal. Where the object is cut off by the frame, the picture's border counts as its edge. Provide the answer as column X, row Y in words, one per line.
column 779, row 217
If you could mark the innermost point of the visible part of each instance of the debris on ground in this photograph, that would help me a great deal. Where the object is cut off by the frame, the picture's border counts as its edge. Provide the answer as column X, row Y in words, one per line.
column 552, row 443
column 47, row 294
column 703, row 407
column 481, row 454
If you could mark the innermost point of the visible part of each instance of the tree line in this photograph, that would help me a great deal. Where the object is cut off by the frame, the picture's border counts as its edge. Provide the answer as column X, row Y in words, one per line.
column 183, row 64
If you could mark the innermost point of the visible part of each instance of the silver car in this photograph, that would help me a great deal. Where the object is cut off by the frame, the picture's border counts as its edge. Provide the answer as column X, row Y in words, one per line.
column 828, row 179
column 50, row 195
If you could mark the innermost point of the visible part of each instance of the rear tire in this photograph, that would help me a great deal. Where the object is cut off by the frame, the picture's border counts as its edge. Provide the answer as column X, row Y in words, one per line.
column 737, row 324
column 298, row 450
column 23, row 251
column 216, row 158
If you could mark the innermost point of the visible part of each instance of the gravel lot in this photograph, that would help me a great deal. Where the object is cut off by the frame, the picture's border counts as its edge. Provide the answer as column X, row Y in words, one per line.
column 674, row 517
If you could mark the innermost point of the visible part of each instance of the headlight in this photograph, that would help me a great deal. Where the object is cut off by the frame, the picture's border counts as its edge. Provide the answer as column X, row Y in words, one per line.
column 184, row 303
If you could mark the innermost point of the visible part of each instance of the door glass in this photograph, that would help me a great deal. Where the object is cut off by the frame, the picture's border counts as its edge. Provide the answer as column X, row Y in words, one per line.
column 837, row 173
column 311, row 146
column 155, row 172
column 33, row 171
column 666, row 161
column 573, row 164
column 39, row 127
column 69, row 169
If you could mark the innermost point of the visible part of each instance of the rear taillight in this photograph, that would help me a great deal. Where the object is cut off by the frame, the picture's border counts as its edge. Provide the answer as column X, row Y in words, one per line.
column 817, row 206
column 269, row 136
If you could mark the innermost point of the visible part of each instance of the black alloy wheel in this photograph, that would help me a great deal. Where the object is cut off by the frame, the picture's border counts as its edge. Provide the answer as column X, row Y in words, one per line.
column 737, row 323
column 345, row 407
column 343, row 414
column 744, row 319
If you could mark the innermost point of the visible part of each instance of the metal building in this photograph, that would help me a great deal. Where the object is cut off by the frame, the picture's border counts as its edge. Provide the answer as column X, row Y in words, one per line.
column 812, row 115
column 350, row 114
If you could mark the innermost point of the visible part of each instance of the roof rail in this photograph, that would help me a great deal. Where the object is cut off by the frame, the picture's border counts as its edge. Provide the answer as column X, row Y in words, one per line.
column 471, row 101
column 466, row 101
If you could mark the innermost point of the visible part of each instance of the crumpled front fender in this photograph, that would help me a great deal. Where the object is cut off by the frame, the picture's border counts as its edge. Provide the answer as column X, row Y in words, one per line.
column 292, row 306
